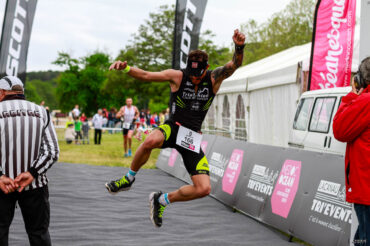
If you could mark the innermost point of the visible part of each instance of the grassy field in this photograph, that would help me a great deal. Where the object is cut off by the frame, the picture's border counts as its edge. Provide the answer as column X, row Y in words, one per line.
column 109, row 153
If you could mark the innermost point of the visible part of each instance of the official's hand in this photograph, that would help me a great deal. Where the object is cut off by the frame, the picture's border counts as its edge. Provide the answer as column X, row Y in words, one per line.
column 23, row 180
column 7, row 185
column 118, row 65
column 238, row 38
column 354, row 89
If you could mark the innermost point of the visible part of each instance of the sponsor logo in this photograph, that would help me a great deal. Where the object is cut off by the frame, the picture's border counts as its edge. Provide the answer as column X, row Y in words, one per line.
column 188, row 83
column 262, row 179
column 185, row 37
column 330, row 201
column 203, row 94
column 232, row 172
column 217, row 165
column 15, row 43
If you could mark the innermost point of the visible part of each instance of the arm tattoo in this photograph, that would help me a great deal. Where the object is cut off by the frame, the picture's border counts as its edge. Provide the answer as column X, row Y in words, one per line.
column 221, row 73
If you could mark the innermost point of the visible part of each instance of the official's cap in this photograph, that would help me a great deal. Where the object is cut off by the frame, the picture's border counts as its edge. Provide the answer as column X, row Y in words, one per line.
column 7, row 82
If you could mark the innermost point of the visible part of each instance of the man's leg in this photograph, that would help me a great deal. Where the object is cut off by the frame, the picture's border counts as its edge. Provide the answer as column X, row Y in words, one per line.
column 362, row 237
column 99, row 136
column 129, row 138
column 154, row 140
column 35, row 209
column 7, row 206
column 201, row 187
column 95, row 136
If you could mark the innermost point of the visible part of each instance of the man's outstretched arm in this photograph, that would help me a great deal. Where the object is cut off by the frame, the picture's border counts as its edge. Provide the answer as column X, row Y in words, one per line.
column 170, row 75
column 221, row 73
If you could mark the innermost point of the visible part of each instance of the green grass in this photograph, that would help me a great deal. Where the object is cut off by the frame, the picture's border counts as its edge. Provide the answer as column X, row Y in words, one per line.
column 109, row 153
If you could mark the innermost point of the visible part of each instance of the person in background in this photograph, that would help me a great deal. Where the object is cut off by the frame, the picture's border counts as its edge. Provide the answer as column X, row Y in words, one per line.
column 128, row 113
column 167, row 114
column 69, row 121
column 78, row 125
column 161, row 118
column 85, row 132
column 112, row 118
column 351, row 124
column 70, row 133
column 148, row 116
column 42, row 104
column 98, row 122
column 76, row 111
column 152, row 121
column 83, row 117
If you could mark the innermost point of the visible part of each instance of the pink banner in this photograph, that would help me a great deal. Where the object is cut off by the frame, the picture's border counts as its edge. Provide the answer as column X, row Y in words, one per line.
column 172, row 159
column 286, row 188
column 331, row 59
column 232, row 171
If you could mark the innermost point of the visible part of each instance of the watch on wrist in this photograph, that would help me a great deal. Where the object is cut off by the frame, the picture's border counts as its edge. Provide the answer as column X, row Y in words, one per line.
column 239, row 48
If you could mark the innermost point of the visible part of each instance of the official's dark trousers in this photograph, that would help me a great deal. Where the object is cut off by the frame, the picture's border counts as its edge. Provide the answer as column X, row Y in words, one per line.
column 35, row 208
column 97, row 136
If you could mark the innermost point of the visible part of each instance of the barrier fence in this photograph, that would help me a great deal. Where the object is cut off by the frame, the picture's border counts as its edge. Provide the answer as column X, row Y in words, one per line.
column 298, row 192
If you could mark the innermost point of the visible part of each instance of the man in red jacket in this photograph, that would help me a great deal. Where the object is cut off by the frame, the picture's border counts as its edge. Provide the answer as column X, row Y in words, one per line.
column 352, row 125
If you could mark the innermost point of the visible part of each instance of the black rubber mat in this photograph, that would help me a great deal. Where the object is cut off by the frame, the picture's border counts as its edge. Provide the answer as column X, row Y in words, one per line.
column 84, row 213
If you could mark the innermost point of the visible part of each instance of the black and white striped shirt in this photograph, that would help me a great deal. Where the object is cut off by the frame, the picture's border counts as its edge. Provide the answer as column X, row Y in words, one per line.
column 28, row 141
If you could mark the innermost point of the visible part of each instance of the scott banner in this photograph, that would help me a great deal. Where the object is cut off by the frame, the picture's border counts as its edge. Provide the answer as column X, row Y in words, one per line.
column 188, row 20
column 15, row 37
column 332, row 44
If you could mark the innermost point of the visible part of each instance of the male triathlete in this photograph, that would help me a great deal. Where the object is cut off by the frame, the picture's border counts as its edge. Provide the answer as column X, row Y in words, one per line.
column 128, row 114
column 192, row 92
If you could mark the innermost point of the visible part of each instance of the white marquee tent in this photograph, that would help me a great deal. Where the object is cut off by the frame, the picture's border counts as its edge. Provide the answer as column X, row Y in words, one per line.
column 257, row 103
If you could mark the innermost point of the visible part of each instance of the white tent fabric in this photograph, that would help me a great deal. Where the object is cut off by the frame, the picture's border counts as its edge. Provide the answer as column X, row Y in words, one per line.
column 270, row 93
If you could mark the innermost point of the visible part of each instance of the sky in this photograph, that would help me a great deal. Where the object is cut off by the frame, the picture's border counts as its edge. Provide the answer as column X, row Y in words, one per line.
column 80, row 27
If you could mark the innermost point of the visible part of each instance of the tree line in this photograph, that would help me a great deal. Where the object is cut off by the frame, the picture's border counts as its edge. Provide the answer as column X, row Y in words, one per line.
column 86, row 80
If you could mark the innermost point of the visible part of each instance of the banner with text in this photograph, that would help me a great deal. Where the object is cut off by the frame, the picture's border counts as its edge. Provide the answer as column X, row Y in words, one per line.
column 332, row 44
column 15, row 37
column 188, row 20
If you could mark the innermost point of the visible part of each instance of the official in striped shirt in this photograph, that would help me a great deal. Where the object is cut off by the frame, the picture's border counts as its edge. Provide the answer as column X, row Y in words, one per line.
column 28, row 148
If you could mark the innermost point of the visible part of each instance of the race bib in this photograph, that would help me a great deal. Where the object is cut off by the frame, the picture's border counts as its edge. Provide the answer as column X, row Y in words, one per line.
column 126, row 125
column 189, row 139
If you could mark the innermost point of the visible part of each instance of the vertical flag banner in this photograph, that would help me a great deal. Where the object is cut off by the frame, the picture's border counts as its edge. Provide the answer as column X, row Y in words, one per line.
column 332, row 44
column 15, row 37
column 188, row 20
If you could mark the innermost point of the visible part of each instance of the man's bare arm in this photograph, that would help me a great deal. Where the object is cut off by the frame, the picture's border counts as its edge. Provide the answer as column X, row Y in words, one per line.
column 221, row 73
column 170, row 75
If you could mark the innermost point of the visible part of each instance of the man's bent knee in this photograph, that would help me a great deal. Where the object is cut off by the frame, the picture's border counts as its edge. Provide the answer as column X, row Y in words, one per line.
column 203, row 191
column 151, row 143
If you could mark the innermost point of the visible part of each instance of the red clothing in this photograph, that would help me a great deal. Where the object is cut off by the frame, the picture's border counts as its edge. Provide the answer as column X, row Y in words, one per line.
column 352, row 125
column 152, row 120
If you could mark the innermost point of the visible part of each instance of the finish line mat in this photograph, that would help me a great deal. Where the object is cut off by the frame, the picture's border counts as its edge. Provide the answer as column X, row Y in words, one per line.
column 84, row 213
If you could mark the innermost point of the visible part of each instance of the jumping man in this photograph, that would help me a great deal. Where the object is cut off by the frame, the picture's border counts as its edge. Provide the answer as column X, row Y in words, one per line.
column 128, row 113
column 192, row 92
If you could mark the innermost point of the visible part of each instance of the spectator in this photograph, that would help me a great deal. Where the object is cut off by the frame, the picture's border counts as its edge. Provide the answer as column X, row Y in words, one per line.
column 70, row 133
column 69, row 121
column 78, row 125
column 153, row 123
column 167, row 114
column 83, row 117
column 352, row 125
column 98, row 122
column 85, row 132
column 76, row 112
column 42, row 104
column 161, row 118
column 23, row 180
column 112, row 118
column 148, row 117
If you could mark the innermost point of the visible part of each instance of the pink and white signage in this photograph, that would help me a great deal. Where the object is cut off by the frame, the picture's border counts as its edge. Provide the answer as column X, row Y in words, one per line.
column 333, row 44
column 173, row 156
column 232, row 171
column 203, row 145
column 286, row 188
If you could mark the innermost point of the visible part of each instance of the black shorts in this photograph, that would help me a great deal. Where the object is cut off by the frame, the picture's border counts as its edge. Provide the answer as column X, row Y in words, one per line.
column 195, row 163
column 131, row 128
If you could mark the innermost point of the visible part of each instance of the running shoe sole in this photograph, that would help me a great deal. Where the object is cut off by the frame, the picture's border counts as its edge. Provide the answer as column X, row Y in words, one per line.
column 151, row 201
column 115, row 192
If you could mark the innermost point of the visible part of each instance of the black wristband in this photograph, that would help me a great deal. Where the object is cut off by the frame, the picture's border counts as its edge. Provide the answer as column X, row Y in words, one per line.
column 33, row 172
column 239, row 48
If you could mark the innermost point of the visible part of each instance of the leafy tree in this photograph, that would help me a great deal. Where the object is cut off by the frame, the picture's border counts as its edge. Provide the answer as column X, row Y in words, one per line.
column 81, row 82
column 287, row 28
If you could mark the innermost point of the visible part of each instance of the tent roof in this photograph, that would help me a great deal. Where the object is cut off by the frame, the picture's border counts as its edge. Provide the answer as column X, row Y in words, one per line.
column 277, row 69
